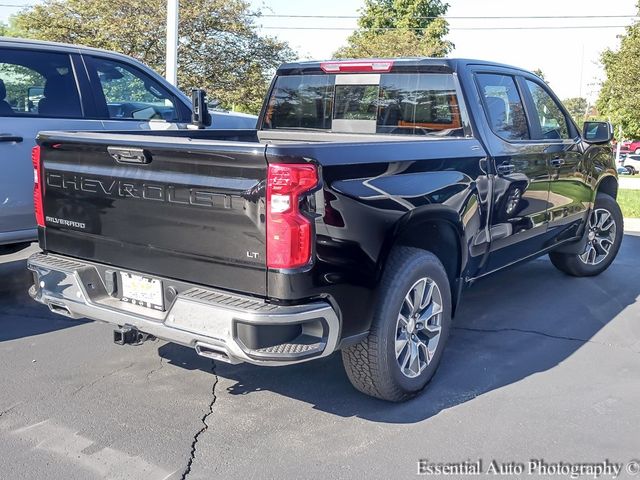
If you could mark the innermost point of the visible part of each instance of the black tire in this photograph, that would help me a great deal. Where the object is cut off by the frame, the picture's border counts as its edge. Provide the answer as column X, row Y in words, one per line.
column 630, row 169
column 371, row 365
column 572, row 264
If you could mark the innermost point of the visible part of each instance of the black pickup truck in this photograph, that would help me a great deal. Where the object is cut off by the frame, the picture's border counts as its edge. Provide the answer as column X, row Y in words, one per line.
column 370, row 195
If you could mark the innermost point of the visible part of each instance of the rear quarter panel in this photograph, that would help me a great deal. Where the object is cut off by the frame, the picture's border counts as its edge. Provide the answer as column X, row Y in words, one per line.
column 366, row 195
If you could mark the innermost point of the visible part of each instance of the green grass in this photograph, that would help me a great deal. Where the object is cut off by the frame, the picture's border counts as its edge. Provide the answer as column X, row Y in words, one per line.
column 629, row 201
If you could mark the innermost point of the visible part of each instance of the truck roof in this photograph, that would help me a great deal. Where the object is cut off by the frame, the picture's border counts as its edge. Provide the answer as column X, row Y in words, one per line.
column 410, row 63
column 57, row 46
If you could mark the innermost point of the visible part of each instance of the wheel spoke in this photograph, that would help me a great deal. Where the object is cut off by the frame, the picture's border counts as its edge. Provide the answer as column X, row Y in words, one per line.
column 607, row 225
column 427, row 354
column 408, row 300
column 432, row 330
column 414, row 364
column 602, row 218
column 427, row 296
column 605, row 244
column 430, row 312
column 401, row 343
column 418, row 295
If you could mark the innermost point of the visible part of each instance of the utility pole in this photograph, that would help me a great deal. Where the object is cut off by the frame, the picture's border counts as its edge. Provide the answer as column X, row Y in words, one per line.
column 171, row 69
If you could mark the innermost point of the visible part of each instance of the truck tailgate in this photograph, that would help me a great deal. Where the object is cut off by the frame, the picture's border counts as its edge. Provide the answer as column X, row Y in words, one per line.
column 187, row 209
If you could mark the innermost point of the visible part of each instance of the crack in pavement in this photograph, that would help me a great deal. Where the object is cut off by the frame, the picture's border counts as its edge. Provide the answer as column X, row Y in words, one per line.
column 548, row 335
column 91, row 384
column 10, row 408
column 205, row 425
column 154, row 370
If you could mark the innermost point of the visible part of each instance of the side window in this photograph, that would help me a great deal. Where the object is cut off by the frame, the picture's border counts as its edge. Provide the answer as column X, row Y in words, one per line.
column 131, row 94
column 419, row 104
column 37, row 84
column 505, row 110
column 553, row 123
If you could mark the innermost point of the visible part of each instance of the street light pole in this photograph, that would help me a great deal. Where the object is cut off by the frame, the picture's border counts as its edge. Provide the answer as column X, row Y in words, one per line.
column 171, row 72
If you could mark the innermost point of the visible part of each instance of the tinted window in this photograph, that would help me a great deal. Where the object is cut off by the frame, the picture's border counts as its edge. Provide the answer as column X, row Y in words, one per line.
column 504, row 107
column 37, row 84
column 131, row 94
column 553, row 123
column 356, row 102
column 419, row 104
column 301, row 101
column 404, row 104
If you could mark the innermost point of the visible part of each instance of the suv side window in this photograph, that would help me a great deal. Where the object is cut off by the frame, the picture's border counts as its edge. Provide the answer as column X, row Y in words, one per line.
column 553, row 123
column 37, row 84
column 504, row 107
column 129, row 94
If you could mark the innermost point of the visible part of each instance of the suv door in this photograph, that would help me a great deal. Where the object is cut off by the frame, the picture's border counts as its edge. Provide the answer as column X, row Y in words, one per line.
column 570, row 194
column 38, row 91
column 518, row 221
column 127, row 98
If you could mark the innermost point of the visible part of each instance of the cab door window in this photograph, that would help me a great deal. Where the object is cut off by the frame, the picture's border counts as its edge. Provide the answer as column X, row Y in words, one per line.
column 129, row 94
column 553, row 123
column 37, row 84
column 503, row 106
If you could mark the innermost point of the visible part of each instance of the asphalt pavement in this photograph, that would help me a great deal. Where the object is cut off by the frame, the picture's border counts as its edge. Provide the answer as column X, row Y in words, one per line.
column 539, row 366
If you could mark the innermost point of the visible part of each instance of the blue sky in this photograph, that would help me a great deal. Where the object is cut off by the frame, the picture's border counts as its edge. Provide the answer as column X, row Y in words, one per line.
column 569, row 57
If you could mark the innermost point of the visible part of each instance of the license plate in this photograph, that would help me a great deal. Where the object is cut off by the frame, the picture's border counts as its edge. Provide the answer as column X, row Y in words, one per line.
column 143, row 291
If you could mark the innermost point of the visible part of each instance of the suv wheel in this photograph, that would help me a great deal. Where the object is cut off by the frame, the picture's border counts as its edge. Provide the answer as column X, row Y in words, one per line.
column 410, row 328
column 604, row 236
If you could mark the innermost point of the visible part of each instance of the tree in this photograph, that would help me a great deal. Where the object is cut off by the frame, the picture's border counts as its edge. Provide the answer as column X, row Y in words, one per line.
column 577, row 107
column 619, row 97
column 219, row 47
column 540, row 74
column 399, row 28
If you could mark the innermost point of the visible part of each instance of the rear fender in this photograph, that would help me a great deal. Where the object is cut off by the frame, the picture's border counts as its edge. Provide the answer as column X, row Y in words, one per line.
column 438, row 229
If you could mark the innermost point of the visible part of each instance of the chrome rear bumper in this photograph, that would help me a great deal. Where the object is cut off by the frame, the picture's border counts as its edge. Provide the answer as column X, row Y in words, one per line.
column 205, row 319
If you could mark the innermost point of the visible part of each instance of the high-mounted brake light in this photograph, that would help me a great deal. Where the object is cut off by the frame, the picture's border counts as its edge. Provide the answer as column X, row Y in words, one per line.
column 37, row 186
column 357, row 66
column 288, row 231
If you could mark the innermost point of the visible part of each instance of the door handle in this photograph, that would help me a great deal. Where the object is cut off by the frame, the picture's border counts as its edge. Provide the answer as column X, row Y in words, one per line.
column 557, row 162
column 7, row 137
column 130, row 155
column 506, row 168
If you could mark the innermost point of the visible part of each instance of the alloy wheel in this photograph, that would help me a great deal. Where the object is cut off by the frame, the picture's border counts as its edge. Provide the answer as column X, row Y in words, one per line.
column 418, row 327
column 600, row 237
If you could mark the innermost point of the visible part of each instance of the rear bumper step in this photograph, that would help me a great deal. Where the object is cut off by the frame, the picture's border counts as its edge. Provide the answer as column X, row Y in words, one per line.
column 218, row 325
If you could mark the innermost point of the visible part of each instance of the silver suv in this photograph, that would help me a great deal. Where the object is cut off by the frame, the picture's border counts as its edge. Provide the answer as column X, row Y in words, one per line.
column 53, row 86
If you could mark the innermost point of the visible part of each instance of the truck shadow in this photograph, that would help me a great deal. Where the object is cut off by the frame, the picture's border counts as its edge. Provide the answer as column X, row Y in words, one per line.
column 20, row 316
column 512, row 325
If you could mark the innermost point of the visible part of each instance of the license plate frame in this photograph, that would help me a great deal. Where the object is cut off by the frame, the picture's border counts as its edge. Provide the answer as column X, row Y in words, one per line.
column 142, row 290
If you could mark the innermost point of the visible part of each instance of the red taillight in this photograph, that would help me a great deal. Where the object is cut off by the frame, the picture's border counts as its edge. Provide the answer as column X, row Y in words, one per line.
column 357, row 66
column 37, row 186
column 288, row 231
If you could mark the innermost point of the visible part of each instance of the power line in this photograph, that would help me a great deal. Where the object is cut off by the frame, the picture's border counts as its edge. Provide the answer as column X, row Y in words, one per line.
column 555, row 27
column 447, row 17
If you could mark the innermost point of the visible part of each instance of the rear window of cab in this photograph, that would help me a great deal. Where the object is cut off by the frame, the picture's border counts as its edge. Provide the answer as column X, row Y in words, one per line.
column 389, row 103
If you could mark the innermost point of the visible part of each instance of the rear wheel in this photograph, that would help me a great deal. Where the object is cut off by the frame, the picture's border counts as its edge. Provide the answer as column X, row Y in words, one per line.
column 630, row 169
column 410, row 328
column 604, row 236
column 637, row 151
